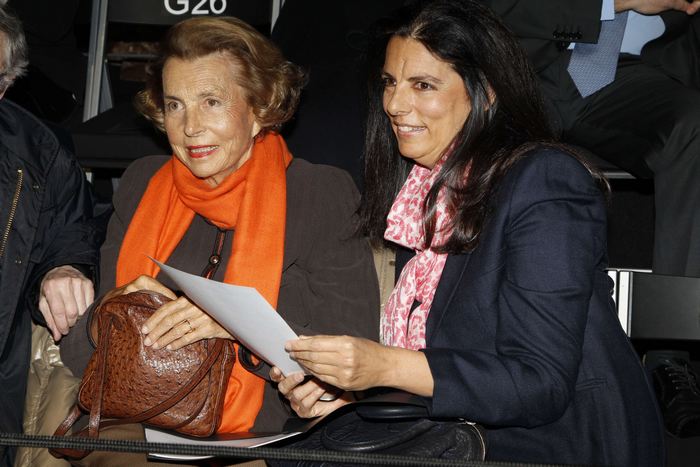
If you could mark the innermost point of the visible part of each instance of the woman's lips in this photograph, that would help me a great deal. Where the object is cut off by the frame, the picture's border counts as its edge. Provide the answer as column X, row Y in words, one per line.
column 199, row 152
column 408, row 130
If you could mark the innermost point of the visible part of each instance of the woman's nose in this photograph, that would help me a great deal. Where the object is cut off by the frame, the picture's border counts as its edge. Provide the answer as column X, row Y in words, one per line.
column 193, row 123
column 397, row 101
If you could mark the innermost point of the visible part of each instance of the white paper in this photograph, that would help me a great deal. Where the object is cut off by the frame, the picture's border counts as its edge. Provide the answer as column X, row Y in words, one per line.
column 234, row 440
column 244, row 313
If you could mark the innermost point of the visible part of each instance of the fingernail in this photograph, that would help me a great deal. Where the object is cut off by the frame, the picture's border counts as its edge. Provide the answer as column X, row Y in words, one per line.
column 169, row 347
column 144, row 329
column 147, row 341
column 287, row 346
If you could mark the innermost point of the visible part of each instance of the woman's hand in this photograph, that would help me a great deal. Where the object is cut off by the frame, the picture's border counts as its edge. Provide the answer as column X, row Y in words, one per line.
column 178, row 323
column 175, row 324
column 349, row 363
column 305, row 397
column 356, row 364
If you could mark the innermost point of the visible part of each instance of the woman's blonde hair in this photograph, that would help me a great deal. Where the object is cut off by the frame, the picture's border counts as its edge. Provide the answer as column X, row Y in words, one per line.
column 271, row 83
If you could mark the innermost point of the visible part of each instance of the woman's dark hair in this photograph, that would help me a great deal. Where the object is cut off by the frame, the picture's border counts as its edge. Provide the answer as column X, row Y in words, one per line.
column 271, row 83
column 507, row 118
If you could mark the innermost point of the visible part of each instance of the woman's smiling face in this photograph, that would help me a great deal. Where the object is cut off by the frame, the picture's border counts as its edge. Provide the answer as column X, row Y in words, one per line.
column 424, row 98
column 209, row 124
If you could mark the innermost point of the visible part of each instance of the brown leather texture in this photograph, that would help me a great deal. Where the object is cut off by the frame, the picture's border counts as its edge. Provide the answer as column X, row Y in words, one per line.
column 127, row 382
column 138, row 378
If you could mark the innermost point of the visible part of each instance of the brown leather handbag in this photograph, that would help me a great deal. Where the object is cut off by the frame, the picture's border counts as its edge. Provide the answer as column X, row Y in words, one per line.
column 128, row 382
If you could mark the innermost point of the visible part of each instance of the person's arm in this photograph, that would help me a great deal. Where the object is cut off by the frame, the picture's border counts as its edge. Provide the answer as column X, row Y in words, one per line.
column 356, row 364
column 65, row 253
column 65, row 293
column 351, row 364
column 554, row 239
column 653, row 7
column 548, row 19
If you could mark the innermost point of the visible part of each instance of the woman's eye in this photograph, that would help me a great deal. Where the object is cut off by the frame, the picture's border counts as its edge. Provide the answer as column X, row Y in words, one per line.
column 423, row 86
column 171, row 106
column 387, row 82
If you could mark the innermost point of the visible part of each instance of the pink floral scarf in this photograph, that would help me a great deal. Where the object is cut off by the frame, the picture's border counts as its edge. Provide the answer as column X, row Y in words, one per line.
column 400, row 326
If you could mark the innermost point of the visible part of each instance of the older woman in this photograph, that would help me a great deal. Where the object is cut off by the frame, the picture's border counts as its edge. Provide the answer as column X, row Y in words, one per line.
column 502, row 312
column 232, row 199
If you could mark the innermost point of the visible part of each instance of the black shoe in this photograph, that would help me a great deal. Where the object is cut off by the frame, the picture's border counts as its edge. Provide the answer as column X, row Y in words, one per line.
column 676, row 386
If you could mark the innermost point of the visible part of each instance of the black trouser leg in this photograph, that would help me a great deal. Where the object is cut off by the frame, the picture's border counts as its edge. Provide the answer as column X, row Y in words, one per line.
column 644, row 113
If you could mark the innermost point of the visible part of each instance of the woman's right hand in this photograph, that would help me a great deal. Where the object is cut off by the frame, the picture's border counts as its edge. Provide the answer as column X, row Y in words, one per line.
column 305, row 397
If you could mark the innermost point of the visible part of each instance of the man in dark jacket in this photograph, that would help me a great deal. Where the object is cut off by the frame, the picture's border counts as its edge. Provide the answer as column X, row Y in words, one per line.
column 647, row 119
column 48, row 244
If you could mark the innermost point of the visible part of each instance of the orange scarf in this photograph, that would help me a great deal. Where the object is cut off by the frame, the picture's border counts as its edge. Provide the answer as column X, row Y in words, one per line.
column 253, row 200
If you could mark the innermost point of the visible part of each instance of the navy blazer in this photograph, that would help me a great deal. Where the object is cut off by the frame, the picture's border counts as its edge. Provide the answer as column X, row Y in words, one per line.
column 523, row 337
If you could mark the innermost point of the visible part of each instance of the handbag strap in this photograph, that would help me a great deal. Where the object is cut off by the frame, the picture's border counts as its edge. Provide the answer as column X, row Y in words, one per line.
column 62, row 429
column 96, row 408
column 215, row 257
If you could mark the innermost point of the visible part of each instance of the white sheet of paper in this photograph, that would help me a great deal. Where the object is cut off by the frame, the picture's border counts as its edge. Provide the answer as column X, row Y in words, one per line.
column 244, row 313
column 235, row 440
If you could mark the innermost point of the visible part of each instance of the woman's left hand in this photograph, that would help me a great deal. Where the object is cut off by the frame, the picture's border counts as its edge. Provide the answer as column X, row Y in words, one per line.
column 349, row 363
column 178, row 323
column 305, row 396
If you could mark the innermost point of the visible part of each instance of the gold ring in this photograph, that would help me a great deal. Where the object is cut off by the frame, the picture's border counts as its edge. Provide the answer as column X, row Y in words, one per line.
column 189, row 325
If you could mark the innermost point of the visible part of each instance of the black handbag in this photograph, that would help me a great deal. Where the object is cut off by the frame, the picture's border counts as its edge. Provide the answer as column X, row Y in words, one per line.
column 395, row 423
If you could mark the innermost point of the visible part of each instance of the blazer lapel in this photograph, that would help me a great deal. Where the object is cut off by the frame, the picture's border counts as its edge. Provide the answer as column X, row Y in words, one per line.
column 450, row 279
